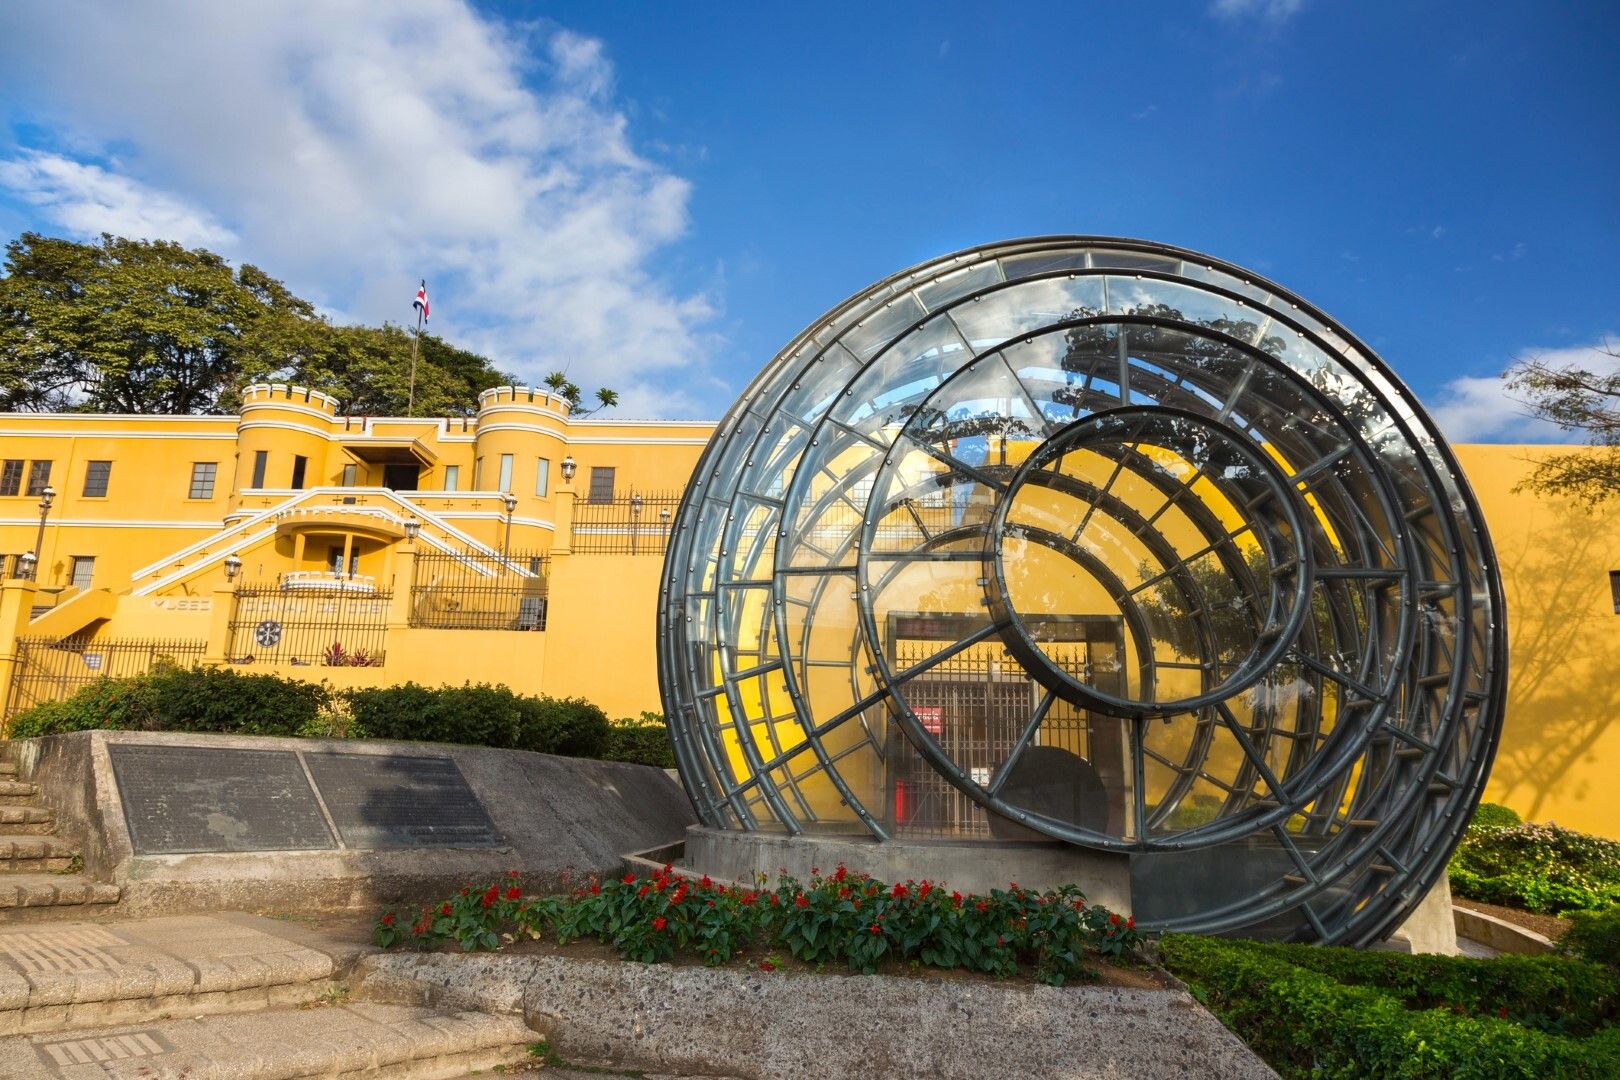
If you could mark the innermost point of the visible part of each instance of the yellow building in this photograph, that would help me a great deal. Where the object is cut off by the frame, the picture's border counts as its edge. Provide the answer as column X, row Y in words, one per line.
column 522, row 546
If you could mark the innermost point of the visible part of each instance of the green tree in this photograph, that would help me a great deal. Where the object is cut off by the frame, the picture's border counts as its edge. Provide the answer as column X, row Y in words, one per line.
column 137, row 326
column 558, row 383
column 1576, row 397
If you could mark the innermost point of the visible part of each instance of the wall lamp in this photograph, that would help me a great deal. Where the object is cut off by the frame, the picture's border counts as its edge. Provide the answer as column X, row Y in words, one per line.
column 233, row 566
column 568, row 468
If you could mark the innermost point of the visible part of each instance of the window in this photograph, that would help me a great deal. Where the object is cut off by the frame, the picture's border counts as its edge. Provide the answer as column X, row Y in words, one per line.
column 39, row 477
column 452, row 477
column 96, row 475
column 506, row 473
column 542, row 477
column 11, row 477
column 84, row 568
column 202, row 479
column 601, row 484
column 261, row 461
column 1614, row 589
column 300, row 466
column 478, row 474
column 351, row 473
column 334, row 560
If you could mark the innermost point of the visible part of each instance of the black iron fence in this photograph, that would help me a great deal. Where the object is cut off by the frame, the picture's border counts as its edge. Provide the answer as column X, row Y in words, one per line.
column 310, row 620
column 480, row 592
column 635, row 524
column 48, row 669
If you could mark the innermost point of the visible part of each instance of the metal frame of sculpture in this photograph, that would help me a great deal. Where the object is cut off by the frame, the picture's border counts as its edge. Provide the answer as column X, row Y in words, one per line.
column 1096, row 541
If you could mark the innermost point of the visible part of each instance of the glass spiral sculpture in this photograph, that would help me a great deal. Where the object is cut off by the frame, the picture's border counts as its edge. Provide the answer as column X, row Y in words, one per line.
column 1102, row 542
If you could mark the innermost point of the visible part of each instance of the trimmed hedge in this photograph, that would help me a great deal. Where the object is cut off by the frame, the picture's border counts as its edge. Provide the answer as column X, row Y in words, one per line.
column 183, row 699
column 1316, row 1012
column 1594, row 935
column 225, row 701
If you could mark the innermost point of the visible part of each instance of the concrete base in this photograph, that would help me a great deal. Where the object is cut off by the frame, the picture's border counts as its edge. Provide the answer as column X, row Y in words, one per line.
column 1431, row 927
column 1499, row 934
column 736, row 855
column 556, row 817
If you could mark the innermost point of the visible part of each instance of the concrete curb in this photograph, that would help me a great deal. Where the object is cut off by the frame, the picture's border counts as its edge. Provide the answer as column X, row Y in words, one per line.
column 1499, row 934
column 715, row 1021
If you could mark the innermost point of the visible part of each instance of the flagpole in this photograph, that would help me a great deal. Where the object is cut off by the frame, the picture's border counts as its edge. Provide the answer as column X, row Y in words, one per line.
column 410, row 407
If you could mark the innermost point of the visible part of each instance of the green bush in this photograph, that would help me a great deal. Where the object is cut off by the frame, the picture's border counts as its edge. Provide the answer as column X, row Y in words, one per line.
column 1537, row 867
column 1307, row 1022
column 1594, row 935
column 1493, row 816
column 569, row 726
column 640, row 742
column 182, row 699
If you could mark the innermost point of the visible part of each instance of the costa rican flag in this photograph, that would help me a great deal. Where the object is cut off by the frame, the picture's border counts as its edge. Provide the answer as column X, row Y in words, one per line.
column 421, row 301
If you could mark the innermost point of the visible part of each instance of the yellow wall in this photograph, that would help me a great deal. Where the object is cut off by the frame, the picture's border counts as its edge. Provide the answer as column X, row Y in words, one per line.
column 158, row 551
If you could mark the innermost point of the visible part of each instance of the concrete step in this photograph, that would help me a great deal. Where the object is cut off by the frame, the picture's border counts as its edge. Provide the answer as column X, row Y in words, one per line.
column 18, row 793
column 36, row 854
column 400, row 1042
column 26, row 821
column 65, row 976
column 8, row 769
column 25, row 892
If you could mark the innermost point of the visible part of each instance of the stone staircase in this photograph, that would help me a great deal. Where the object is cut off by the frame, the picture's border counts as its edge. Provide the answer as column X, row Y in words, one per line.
column 39, row 877
column 226, row 997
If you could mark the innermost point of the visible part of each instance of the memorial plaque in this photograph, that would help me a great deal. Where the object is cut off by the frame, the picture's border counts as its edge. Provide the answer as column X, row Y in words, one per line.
column 186, row 799
column 388, row 801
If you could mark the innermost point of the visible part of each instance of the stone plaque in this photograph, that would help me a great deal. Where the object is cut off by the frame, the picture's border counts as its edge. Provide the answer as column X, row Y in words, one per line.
column 184, row 799
column 389, row 801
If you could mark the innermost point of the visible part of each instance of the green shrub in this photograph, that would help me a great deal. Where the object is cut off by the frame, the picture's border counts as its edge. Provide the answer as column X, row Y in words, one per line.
column 481, row 715
column 181, row 699
column 1306, row 1023
column 1594, row 935
column 1537, row 867
column 640, row 742
column 569, row 726
column 1493, row 816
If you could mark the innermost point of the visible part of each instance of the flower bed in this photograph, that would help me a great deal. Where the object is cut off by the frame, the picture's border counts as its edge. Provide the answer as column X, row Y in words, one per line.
column 839, row 918
column 1324, row 1012
column 1536, row 867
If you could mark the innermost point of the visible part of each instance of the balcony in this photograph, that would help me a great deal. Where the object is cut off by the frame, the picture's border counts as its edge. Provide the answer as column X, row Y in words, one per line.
column 327, row 581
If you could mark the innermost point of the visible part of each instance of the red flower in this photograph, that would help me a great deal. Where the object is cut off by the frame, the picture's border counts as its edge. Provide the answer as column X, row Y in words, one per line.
column 956, row 898
column 445, row 910
column 982, row 905
column 1502, row 1012
column 1113, row 920
column 840, row 874
column 801, row 901
column 900, row 892
column 660, row 922
column 491, row 896
column 766, row 965
column 1130, row 923
column 706, row 883
column 999, row 941
column 388, row 919
column 513, row 892
column 596, row 890
column 629, row 879
column 511, row 873
column 874, row 928
column 643, row 890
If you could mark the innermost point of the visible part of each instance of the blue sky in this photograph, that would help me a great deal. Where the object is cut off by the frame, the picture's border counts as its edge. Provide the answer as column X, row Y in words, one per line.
column 661, row 195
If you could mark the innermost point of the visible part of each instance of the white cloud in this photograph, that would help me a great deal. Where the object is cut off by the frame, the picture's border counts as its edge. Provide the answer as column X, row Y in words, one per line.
column 353, row 149
column 1480, row 409
column 87, row 200
column 1269, row 10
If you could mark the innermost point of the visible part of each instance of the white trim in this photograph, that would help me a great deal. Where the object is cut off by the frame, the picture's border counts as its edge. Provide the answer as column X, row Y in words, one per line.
column 111, row 435
column 488, row 429
column 287, row 406
column 494, row 515
column 645, row 440
column 606, row 422
column 103, row 523
column 142, row 418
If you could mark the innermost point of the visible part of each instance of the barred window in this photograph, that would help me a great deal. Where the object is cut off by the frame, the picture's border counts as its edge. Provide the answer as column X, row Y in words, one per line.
column 96, row 475
column 601, row 484
column 202, row 479
column 84, row 568
column 351, row 474
column 39, row 477
column 11, row 476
